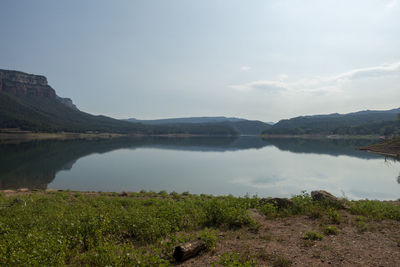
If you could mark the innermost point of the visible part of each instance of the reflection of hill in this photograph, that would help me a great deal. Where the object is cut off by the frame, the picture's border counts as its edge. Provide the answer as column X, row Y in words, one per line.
column 333, row 147
column 35, row 164
column 217, row 144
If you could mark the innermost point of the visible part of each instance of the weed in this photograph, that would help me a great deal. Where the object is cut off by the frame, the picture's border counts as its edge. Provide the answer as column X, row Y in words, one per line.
column 268, row 210
column 310, row 235
column 334, row 216
column 361, row 224
column 209, row 238
column 254, row 226
column 234, row 259
column 331, row 230
column 376, row 210
column 280, row 261
column 315, row 214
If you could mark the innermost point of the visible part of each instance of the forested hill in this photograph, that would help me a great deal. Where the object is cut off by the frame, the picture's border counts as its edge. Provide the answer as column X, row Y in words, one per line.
column 27, row 102
column 242, row 126
column 358, row 123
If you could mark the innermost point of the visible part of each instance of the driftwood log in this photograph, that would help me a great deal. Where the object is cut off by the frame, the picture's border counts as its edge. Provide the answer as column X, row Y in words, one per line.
column 189, row 250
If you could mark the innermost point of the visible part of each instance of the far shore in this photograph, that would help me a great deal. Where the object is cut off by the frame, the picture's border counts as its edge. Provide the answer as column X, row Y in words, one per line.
column 16, row 135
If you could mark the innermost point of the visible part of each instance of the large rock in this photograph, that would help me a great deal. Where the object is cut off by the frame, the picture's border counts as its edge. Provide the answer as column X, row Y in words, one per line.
column 323, row 196
column 67, row 101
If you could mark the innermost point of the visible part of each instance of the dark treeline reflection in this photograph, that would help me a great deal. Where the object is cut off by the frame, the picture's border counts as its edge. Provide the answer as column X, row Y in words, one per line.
column 35, row 164
column 333, row 147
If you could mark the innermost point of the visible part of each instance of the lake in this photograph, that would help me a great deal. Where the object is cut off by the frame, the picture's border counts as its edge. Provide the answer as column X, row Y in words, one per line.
column 218, row 166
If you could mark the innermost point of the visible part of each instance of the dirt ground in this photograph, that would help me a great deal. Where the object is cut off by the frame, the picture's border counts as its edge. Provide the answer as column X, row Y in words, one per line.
column 279, row 242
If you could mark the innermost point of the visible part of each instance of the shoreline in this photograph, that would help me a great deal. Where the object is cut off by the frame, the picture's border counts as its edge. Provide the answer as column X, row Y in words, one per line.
column 25, row 136
column 18, row 135
column 318, row 136
column 389, row 148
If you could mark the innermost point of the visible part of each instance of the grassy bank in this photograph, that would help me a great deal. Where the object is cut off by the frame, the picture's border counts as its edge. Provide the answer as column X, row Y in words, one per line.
column 389, row 147
column 142, row 229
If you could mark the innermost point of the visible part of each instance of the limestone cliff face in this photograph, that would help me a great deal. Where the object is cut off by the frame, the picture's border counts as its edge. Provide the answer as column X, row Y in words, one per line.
column 67, row 101
column 23, row 84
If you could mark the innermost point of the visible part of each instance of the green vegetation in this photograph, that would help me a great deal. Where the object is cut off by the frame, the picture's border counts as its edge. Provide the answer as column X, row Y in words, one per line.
column 330, row 230
column 234, row 259
column 73, row 228
column 40, row 114
column 142, row 229
column 358, row 123
column 334, row 216
column 209, row 238
column 310, row 235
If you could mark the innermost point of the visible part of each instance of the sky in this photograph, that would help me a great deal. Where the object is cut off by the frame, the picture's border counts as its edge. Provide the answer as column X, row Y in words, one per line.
column 263, row 60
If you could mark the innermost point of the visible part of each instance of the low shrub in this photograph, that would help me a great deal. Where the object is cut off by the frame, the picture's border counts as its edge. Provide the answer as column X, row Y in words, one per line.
column 331, row 230
column 310, row 235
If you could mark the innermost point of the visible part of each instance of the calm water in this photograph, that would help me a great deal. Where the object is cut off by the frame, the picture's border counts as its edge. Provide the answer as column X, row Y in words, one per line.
column 219, row 166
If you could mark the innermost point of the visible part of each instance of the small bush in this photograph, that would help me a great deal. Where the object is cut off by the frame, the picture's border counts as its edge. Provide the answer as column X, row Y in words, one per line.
column 310, row 235
column 315, row 214
column 361, row 224
column 268, row 210
column 331, row 230
column 334, row 216
column 376, row 210
column 254, row 226
column 234, row 259
column 280, row 261
column 209, row 238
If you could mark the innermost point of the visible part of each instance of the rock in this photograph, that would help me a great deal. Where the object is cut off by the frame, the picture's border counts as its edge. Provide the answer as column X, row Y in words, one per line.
column 51, row 190
column 280, row 203
column 189, row 250
column 67, row 101
column 23, row 190
column 323, row 196
column 124, row 194
column 23, row 84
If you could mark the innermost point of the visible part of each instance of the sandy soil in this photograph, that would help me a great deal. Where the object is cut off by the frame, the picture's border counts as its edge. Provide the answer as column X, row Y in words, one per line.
column 372, row 245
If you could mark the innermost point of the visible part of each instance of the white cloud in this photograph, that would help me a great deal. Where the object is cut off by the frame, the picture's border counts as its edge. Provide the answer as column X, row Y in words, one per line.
column 391, row 4
column 283, row 77
column 319, row 85
column 271, row 86
column 245, row 68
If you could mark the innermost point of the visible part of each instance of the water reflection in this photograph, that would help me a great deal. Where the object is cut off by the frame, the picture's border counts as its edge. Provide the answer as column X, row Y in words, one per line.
column 224, row 165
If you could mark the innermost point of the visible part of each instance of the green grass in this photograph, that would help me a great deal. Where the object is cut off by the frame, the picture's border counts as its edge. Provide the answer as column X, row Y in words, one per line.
column 234, row 259
column 142, row 229
column 68, row 228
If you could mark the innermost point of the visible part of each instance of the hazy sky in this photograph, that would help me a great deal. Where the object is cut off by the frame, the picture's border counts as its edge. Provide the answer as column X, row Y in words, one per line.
column 263, row 60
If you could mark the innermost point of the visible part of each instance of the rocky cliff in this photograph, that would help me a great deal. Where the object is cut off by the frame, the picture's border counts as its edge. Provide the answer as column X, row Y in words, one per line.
column 67, row 101
column 22, row 84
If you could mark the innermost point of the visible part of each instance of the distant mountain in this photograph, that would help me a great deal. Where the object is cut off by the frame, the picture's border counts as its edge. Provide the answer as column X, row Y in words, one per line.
column 187, row 120
column 29, row 103
column 242, row 126
column 362, row 122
